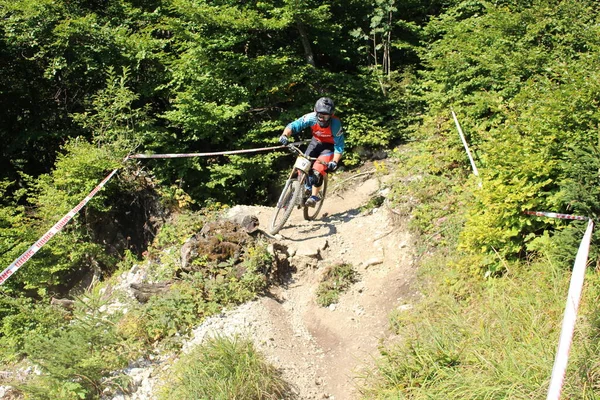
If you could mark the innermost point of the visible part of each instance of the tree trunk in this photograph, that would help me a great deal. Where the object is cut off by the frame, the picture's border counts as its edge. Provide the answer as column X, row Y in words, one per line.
column 388, row 56
column 379, row 78
column 308, row 54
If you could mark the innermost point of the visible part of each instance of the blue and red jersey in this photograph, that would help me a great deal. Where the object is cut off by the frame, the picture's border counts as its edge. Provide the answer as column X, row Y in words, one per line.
column 334, row 133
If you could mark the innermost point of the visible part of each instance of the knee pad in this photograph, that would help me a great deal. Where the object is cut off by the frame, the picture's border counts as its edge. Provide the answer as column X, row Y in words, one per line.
column 318, row 179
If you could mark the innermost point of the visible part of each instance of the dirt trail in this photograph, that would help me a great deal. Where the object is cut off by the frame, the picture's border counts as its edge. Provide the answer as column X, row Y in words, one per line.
column 322, row 350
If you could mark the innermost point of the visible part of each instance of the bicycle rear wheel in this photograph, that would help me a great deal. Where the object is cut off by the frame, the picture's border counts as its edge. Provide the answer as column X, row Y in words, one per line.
column 287, row 201
column 311, row 213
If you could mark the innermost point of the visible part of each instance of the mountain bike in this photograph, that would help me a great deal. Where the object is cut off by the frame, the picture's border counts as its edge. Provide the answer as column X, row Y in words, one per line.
column 295, row 192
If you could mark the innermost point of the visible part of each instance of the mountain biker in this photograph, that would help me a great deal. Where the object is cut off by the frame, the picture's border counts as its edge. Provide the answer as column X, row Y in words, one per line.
column 327, row 142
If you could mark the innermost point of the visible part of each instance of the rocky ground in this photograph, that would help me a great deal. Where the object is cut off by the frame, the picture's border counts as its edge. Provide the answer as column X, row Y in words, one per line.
column 321, row 351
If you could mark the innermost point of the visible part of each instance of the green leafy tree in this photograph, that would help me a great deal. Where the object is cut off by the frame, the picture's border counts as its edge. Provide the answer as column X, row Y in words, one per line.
column 58, row 53
column 519, row 75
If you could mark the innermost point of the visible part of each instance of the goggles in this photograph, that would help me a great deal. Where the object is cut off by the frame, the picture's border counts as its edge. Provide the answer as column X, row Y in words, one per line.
column 323, row 116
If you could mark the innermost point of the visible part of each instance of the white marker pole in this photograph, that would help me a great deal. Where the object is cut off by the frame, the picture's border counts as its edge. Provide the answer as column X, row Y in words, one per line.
column 568, row 325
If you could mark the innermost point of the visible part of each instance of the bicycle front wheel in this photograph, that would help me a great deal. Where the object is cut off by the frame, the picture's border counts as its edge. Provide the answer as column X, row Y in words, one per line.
column 290, row 197
column 310, row 213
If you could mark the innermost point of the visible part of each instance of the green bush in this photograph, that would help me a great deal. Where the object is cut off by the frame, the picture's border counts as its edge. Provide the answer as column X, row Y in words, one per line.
column 179, row 228
column 244, row 281
column 171, row 313
column 22, row 318
column 77, row 360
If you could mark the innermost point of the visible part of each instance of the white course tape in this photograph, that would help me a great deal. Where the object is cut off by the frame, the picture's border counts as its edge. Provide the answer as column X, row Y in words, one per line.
column 568, row 325
column 18, row 263
column 462, row 137
column 218, row 153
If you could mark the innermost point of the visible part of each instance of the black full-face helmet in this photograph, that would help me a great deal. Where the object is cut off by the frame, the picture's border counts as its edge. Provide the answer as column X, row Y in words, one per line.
column 324, row 108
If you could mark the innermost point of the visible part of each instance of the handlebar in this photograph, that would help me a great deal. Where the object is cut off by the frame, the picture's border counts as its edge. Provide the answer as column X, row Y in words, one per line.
column 294, row 149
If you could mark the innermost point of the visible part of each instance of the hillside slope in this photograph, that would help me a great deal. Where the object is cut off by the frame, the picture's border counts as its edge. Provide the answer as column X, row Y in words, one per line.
column 321, row 350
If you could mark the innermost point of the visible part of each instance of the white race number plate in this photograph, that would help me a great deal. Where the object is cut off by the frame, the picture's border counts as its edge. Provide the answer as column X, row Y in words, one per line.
column 302, row 164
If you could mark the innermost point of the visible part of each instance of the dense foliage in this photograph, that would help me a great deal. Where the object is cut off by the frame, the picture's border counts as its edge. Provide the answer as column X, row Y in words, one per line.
column 522, row 79
column 89, row 82
column 85, row 83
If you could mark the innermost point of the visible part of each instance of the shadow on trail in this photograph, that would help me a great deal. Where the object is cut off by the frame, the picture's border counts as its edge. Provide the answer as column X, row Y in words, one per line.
column 315, row 229
column 345, row 216
column 308, row 232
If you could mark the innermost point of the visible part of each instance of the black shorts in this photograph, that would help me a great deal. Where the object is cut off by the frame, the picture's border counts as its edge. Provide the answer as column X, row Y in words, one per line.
column 316, row 148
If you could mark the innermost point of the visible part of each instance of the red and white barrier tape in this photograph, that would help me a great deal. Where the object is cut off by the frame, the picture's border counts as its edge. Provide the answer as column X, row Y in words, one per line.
column 555, row 215
column 568, row 325
column 18, row 263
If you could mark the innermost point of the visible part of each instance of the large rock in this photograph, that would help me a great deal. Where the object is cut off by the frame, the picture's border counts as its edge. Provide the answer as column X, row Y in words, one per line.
column 64, row 303
column 143, row 291
column 219, row 241
column 248, row 222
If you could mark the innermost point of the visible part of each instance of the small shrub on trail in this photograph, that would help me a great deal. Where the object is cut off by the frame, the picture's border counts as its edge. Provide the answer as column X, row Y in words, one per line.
column 337, row 279
column 166, row 315
column 374, row 202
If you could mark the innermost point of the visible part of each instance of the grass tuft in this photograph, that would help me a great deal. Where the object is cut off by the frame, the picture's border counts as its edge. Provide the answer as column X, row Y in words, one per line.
column 226, row 368
column 337, row 279
column 498, row 344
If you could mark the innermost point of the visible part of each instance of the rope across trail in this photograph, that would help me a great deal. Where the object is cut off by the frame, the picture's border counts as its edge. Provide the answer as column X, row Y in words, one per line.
column 23, row 258
column 219, row 153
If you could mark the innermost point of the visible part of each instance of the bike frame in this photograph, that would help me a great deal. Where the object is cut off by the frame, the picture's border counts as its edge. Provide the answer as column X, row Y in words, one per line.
column 294, row 193
column 300, row 173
